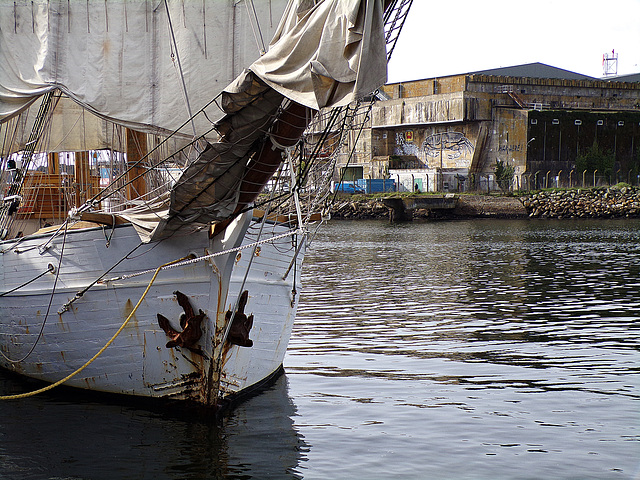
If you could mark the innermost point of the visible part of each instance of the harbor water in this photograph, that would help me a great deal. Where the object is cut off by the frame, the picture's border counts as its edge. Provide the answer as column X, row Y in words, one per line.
column 476, row 349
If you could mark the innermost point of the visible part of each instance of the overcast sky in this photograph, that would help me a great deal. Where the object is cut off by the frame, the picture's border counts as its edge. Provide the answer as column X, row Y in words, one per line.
column 460, row 36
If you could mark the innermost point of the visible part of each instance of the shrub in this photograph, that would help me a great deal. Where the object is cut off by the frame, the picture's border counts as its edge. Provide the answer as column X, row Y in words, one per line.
column 594, row 158
column 504, row 175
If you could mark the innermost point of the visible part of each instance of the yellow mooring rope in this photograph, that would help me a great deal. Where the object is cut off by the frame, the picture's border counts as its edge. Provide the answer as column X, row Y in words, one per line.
column 89, row 362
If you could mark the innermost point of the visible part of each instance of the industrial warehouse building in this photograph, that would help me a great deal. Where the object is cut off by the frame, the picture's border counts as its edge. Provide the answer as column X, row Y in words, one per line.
column 447, row 133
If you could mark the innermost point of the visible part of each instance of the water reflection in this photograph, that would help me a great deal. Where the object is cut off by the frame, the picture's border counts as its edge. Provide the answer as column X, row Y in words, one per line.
column 521, row 293
column 63, row 436
column 470, row 350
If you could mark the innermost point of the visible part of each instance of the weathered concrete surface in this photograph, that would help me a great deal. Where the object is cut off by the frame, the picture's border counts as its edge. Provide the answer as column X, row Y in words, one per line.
column 402, row 208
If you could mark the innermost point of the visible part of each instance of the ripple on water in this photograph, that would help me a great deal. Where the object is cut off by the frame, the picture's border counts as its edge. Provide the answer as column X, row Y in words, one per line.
column 497, row 344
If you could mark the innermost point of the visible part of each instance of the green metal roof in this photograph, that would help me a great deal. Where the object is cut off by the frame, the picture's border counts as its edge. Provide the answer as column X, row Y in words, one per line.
column 631, row 78
column 534, row 70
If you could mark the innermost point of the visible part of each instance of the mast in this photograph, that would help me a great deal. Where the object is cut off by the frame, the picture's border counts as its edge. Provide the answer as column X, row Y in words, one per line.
column 82, row 178
column 136, row 151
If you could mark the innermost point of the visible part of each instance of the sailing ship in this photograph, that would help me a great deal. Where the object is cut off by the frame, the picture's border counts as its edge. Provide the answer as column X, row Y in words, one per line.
column 156, row 203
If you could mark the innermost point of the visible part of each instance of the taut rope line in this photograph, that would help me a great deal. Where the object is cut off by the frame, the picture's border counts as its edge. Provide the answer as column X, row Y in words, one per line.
column 207, row 257
column 50, row 269
column 53, row 292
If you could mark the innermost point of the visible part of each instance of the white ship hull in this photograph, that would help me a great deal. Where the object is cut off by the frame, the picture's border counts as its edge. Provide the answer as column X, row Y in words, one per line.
column 206, row 330
column 138, row 362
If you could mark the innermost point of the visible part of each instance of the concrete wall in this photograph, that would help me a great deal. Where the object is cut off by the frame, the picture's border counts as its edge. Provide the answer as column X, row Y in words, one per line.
column 560, row 136
column 559, row 94
column 554, row 93
column 507, row 141
column 430, row 180
column 419, row 110
column 431, row 86
column 461, row 125
column 432, row 145
column 443, row 108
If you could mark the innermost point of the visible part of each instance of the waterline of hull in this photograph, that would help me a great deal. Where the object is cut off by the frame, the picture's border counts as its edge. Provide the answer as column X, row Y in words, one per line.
column 139, row 362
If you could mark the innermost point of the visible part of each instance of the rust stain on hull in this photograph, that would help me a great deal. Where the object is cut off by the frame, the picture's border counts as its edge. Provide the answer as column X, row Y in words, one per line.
column 128, row 309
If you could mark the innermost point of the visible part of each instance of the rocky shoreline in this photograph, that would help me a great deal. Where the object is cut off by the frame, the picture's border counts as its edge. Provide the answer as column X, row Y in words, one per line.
column 605, row 202
column 467, row 206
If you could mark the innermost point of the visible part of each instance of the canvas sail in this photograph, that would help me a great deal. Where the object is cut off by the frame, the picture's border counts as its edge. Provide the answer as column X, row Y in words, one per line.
column 117, row 60
column 314, row 59
column 316, row 55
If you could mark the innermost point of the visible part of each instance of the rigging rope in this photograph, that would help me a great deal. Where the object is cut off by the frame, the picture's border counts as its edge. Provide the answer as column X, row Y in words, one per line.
column 367, row 114
column 16, row 185
column 257, row 32
column 227, row 328
column 53, row 291
column 184, row 86
column 207, row 257
column 50, row 269
column 101, row 351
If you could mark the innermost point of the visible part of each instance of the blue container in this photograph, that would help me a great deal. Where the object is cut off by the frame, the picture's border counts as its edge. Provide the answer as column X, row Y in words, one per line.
column 349, row 187
column 377, row 185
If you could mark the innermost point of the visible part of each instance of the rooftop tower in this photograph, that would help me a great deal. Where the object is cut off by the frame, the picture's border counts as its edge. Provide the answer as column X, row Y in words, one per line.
column 610, row 63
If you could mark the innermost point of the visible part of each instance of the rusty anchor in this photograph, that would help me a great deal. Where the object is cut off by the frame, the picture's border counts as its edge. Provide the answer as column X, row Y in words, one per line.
column 241, row 326
column 189, row 322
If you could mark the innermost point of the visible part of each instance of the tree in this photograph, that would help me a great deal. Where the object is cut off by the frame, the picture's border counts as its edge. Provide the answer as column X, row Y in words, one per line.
column 594, row 158
column 504, row 175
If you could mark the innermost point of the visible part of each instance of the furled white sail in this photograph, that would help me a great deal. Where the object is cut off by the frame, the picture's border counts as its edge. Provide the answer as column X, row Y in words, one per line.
column 318, row 49
column 314, row 60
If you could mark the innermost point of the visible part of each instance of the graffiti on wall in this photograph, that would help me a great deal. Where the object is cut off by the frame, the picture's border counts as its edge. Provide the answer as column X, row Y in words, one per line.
column 511, row 148
column 452, row 145
column 405, row 148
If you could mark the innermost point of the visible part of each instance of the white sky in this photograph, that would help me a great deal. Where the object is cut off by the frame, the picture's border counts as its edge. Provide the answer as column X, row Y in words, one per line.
column 459, row 36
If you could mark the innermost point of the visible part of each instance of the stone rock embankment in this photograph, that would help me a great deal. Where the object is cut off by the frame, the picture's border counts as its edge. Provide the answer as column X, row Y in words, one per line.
column 467, row 206
column 605, row 202
column 359, row 209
